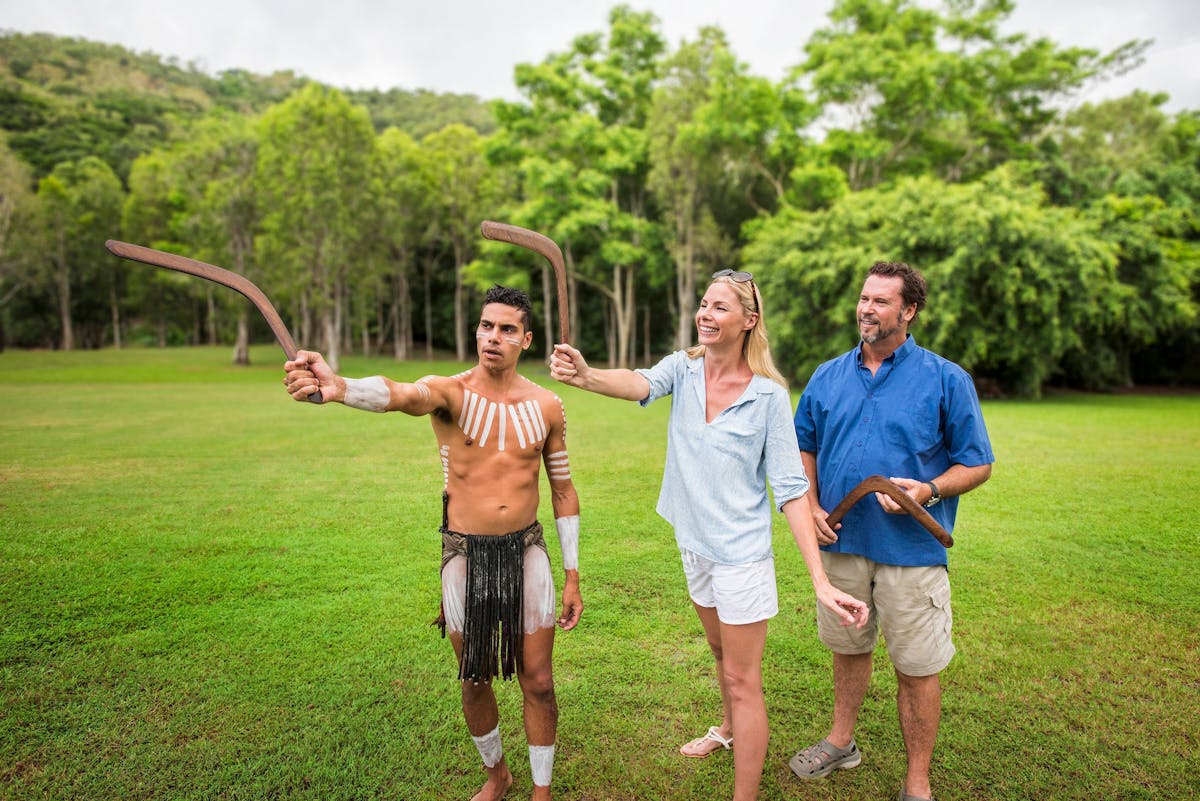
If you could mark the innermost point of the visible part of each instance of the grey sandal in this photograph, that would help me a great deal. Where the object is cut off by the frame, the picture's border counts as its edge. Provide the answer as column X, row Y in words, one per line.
column 903, row 796
column 824, row 758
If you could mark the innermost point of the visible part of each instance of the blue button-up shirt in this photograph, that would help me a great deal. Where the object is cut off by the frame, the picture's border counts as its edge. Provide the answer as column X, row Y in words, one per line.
column 914, row 418
column 714, row 490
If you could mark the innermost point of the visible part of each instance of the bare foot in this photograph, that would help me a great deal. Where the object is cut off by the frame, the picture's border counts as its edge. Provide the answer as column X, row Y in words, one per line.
column 711, row 742
column 496, row 786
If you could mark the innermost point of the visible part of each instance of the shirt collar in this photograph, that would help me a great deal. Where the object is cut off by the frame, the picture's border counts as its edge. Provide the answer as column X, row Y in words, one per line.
column 906, row 349
column 760, row 385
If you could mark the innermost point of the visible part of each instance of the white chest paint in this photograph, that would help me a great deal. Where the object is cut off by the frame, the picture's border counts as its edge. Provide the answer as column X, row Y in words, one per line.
column 487, row 423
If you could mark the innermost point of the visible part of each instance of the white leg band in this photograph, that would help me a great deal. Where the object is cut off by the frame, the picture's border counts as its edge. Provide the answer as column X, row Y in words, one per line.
column 541, row 764
column 568, row 540
column 489, row 747
column 369, row 394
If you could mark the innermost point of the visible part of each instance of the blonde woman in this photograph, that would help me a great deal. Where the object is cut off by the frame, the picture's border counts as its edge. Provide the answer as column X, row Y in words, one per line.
column 730, row 433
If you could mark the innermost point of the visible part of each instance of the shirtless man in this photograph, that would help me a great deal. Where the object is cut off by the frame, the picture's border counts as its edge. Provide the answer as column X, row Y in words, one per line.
column 493, row 428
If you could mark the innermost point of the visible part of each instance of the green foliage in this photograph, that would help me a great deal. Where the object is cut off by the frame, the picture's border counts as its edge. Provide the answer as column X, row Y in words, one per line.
column 1014, row 283
column 422, row 112
column 1061, row 244
column 314, row 160
column 915, row 90
column 77, row 205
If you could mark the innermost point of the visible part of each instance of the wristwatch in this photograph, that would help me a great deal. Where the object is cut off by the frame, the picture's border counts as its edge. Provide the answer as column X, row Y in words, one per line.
column 935, row 498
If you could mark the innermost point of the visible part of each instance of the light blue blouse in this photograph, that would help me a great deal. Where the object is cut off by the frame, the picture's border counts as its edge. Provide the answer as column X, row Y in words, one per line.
column 714, row 490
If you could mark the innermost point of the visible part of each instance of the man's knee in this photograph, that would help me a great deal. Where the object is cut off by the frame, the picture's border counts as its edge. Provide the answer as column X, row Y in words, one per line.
column 476, row 692
column 538, row 686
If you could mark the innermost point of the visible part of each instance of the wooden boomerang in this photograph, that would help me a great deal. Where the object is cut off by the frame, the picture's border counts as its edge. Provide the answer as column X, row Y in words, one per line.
column 538, row 243
column 220, row 275
column 896, row 493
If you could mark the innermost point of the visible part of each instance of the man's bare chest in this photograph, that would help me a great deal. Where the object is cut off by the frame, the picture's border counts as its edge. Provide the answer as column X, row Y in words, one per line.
column 478, row 421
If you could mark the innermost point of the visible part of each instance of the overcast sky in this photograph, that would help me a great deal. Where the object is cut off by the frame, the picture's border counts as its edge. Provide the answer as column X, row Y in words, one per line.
column 472, row 47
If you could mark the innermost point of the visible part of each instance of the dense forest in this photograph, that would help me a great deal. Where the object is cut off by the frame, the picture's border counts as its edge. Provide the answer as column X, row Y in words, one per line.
column 1060, row 239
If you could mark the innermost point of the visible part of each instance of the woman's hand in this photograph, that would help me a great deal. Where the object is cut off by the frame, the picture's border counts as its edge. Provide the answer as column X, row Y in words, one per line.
column 852, row 611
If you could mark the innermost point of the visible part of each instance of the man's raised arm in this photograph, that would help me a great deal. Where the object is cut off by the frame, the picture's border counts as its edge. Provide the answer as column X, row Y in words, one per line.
column 309, row 373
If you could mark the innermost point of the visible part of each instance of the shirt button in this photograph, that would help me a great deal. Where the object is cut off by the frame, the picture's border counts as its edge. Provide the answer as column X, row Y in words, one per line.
column 866, row 419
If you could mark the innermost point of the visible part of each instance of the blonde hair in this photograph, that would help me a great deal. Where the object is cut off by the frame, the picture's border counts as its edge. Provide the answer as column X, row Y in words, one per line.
column 756, row 348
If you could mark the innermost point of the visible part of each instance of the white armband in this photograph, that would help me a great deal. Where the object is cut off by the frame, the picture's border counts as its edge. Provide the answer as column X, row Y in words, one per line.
column 568, row 540
column 369, row 394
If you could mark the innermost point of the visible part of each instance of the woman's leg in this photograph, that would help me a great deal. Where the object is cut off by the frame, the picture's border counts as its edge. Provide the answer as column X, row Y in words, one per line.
column 743, row 651
column 712, row 633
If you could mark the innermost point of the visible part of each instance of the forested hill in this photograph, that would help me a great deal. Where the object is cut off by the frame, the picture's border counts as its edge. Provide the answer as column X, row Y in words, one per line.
column 62, row 99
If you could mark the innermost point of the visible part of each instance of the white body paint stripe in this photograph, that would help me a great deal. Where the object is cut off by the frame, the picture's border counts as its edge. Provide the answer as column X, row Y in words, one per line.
column 512, row 410
column 478, row 421
column 462, row 417
column 538, row 419
column 487, row 427
column 527, row 419
column 557, row 466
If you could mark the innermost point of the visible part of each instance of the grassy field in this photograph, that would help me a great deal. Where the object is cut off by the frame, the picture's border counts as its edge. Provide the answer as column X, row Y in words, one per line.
column 208, row 591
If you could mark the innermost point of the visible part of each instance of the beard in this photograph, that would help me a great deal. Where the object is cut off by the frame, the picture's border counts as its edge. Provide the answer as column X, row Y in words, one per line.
column 878, row 333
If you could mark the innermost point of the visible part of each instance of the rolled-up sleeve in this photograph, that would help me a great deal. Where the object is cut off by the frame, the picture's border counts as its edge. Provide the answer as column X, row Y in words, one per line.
column 661, row 377
column 785, row 470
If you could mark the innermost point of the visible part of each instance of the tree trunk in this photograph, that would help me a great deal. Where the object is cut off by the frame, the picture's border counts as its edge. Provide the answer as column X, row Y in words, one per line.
column 115, row 308
column 685, row 286
column 62, row 278
column 460, row 343
column 241, row 346
column 548, row 292
column 572, row 291
column 402, row 334
column 626, row 316
column 211, row 325
column 646, row 356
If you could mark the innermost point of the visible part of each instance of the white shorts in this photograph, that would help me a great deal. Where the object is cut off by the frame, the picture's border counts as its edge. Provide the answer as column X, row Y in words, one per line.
column 740, row 593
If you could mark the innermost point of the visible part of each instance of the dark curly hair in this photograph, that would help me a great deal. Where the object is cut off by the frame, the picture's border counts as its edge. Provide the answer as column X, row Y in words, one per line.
column 913, row 290
column 517, row 298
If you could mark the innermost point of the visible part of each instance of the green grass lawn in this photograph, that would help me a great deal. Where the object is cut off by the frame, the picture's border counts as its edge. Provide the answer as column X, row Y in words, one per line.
column 209, row 591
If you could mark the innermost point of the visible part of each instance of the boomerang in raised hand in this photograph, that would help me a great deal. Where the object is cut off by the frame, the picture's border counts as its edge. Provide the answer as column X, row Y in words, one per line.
column 238, row 283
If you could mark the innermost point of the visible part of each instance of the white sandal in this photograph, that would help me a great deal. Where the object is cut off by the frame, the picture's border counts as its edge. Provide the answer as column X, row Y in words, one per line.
column 713, row 735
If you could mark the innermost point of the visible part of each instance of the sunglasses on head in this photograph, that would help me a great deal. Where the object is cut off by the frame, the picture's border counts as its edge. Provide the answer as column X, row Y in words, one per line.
column 742, row 277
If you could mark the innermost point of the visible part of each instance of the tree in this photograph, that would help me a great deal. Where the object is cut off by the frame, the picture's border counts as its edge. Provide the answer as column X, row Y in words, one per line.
column 313, row 165
column 1016, row 285
column 79, row 208
column 687, row 166
column 401, row 198
column 456, row 166
column 912, row 89
column 724, row 146
column 15, row 208
column 586, row 113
